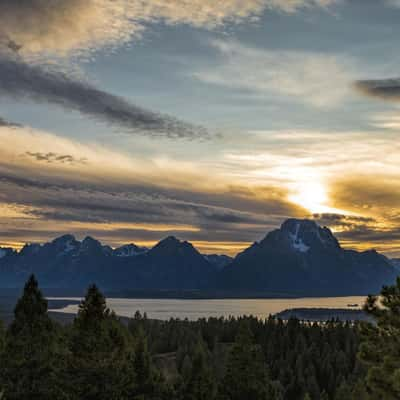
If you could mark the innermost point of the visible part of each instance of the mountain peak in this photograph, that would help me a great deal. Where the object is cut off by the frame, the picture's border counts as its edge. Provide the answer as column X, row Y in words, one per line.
column 89, row 244
column 292, row 224
column 171, row 245
column 65, row 243
column 170, row 241
column 302, row 236
column 90, row 240
column 130, row 250
column 64, row 239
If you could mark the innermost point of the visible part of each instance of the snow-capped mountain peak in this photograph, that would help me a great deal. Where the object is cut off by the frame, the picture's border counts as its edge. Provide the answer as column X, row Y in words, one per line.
column 304, row 235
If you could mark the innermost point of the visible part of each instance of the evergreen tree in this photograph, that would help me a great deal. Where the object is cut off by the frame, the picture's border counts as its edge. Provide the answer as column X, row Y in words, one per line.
column 359, row 391
column 150, row 384
column 32, row 355
column 199, row 384
column 246, row 375
column 2, row 337
column 343, row 392
column 101, row 355
column 380, row 349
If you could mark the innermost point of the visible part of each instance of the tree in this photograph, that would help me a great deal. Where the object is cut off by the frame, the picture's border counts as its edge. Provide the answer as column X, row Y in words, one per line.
column 150, row 384
column 101, row 353
column 33, row 354
column 343, row 392
column 199, row 384
column 380, row 348
column 359, row 391
column 2, row 337
column 246, row 375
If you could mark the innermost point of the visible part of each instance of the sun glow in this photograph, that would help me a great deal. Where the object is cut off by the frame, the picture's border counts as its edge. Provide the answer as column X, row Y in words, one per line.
column 313, row 197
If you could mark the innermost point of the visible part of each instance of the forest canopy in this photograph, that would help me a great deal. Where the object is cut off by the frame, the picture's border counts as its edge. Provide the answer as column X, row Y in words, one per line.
column 99, row 356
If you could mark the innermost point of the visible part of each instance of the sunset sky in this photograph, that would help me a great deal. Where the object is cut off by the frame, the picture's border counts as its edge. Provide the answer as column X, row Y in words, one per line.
column 213, row 121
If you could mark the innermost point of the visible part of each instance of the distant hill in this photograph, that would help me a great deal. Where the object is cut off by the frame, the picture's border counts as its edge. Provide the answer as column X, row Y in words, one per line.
column 299, row 259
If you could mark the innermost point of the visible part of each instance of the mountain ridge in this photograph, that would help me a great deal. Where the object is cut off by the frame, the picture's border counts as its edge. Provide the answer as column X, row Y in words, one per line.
column 298, row 258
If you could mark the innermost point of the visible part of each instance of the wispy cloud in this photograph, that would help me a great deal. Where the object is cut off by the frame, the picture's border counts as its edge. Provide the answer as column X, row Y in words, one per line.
column 317, row 79
column 21, row 80
column 66, row 26
column 40, row 29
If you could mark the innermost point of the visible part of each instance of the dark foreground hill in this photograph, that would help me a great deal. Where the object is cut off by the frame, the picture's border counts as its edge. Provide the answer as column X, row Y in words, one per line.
column 299, row 259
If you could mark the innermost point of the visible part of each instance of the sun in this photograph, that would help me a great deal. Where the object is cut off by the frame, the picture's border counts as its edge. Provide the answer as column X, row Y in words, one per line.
column 311, row 196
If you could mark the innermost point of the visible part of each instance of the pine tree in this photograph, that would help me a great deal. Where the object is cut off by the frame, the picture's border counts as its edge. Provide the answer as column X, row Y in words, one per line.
column 359, row 391
column 200, row 384
column 343, row 392
column 2, row 337
column 246, row 375
column 380, row 349
column 33, row 355
column 101, row 355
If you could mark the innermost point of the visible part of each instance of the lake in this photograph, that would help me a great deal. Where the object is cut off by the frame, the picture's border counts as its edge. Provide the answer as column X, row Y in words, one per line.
column 164, row 309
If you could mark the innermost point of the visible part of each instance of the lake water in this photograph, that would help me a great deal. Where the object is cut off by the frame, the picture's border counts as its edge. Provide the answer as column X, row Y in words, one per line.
column 164, row 309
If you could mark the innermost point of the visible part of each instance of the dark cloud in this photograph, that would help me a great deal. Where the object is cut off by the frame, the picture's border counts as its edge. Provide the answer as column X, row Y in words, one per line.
column 352, row 230
column 24, row 81
column 377, row 192
column 367, row 234
column 216, row 217
column 9, row 124
column 342, row 220
column 386, row 89
column 56, row 158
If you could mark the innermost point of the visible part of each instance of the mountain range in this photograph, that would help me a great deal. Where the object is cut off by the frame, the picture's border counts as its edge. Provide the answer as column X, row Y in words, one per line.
column 298, row 259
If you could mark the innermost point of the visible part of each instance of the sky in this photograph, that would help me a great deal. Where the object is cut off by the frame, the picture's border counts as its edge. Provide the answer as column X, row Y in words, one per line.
column 213, row 121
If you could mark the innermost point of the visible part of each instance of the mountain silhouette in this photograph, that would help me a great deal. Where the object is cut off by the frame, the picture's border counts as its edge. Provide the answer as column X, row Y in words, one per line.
column 304, row 258
column 298, row 259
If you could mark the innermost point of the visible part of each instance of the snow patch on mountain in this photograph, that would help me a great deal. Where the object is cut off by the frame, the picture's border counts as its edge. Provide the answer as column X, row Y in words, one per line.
column 69, row 246
column 297, row 242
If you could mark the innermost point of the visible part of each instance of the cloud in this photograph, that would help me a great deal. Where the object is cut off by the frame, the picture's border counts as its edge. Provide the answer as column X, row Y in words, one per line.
column 385, row 89
column 63, row 27
column 42, row 29
column 119, row 198
column 128, row 212
column 4, row 122
column 56, row 158
column 317, row 79
column 21, row 80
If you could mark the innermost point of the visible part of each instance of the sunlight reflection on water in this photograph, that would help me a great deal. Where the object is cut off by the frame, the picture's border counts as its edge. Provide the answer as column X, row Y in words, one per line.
column 193, row 309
